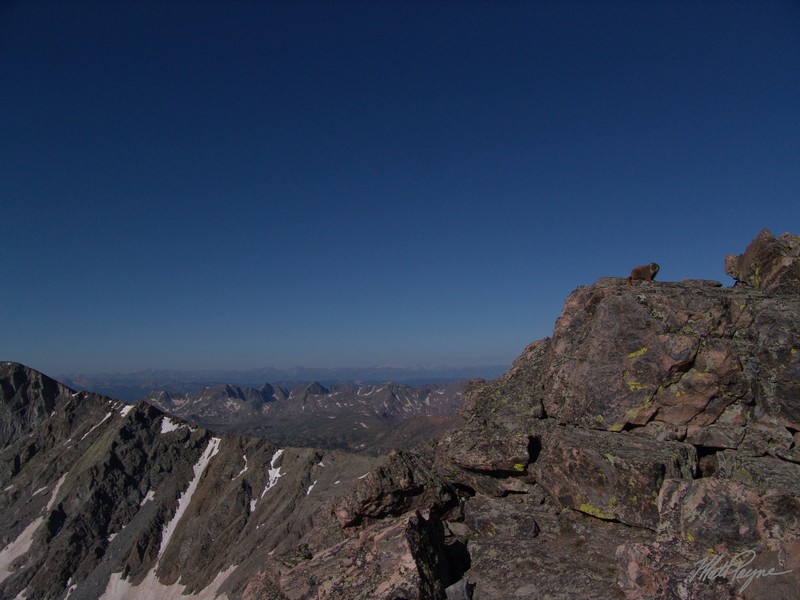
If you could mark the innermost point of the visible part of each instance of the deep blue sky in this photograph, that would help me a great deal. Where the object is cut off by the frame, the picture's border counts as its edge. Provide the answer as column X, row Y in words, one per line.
column 236, row 185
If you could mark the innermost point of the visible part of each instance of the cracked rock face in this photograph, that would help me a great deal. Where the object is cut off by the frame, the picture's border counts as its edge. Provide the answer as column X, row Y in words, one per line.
column 649, row 449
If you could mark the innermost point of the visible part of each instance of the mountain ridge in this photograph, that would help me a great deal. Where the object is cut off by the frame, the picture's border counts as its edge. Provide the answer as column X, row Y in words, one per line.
column 137, row 385
column 364, row 418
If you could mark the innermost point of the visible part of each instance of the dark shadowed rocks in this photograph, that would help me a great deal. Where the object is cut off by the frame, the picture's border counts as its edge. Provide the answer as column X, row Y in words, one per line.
column 28, row 398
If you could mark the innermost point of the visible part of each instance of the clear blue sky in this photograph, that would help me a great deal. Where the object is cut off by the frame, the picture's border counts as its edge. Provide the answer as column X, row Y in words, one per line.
column 236, row 185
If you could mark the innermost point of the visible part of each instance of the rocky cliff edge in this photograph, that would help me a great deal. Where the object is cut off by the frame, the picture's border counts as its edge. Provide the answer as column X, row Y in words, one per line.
column 649, row 448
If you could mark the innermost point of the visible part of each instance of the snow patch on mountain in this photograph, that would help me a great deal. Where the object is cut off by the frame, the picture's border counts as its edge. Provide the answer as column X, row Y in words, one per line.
column 23, row 542
column 183, row 502
column 150, row 496
column 17, row 548
column 274, row 474
column 122, row 589
column 243, row 468
column 168, row 425
column 108, row 416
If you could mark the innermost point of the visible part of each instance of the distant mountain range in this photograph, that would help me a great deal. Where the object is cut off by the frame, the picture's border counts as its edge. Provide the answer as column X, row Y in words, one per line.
column 138, row 385
column 362, row 418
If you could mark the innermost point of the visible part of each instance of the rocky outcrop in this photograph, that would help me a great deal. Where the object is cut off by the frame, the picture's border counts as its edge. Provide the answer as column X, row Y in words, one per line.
column 668, row 408
column 770, row 264
column 27, row 397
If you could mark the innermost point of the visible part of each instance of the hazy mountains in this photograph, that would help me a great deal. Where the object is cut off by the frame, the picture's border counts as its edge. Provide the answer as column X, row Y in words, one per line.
column 371, row 418
column 137, row 385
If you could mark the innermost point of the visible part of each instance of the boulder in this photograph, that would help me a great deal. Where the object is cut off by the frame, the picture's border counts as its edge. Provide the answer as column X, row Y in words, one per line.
column 769, row 264
column 609, row 475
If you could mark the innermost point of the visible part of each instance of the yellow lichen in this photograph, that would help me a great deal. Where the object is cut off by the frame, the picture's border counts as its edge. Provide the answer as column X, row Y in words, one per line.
column 519, row 466
column 638, row 352
column 595, row 512
column 690, row 537
column 616, row 427
column 635, row 386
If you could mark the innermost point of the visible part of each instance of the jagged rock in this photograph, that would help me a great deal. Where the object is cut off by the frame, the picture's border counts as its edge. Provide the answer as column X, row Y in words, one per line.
column 495, row 438
column 770, row 264
column 641, row 384
column 405, row 481
column 520, row 547
column 715, row 436
column 514, row 400
column 27, row 397
column 625, row 356
column 393, row 558
column 489, row 449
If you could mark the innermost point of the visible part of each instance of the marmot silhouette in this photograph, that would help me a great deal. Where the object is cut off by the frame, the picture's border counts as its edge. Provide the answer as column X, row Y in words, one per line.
column 645, row 272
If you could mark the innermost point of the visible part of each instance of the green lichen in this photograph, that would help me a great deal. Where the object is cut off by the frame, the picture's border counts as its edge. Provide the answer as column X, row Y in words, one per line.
column 519, row 466
column 616, row 427
column 610, row 458
column 589, row 509
column 690, row 537
column 638, row 352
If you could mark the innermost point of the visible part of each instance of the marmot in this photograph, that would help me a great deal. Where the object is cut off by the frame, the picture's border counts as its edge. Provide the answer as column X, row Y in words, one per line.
column 645, row 272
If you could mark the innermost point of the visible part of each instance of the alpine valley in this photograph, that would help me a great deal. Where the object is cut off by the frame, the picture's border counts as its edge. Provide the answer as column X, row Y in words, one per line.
column 650, row 448
column 361, row 418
